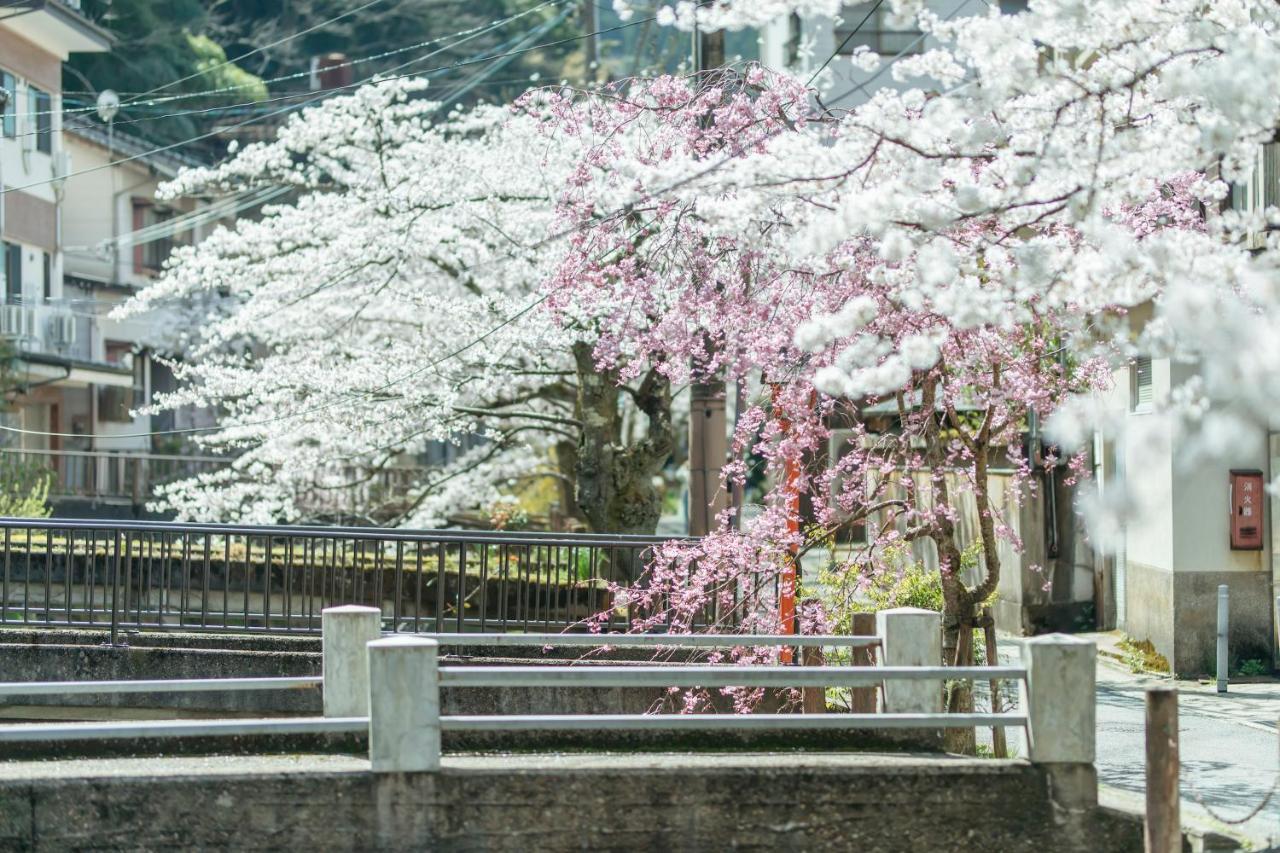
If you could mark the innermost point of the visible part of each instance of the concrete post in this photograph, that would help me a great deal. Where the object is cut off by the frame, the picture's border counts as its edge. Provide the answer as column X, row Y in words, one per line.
column 345, row 631
column 404, row 705
column 1163, row 824
column 1224, row 602
column 910, row 636
column 1058, row 698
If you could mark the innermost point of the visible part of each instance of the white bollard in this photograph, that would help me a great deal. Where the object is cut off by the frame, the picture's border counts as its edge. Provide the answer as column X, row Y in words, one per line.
column 345, row 631
column 910, row 636
column 404, row 705
column 1059, row 698
column 1224, row 602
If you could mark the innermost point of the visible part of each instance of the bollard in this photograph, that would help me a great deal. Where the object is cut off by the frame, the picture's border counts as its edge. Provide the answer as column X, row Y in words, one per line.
column 404, row 705
column 1223, row 614
column 1059, row 699
column 910, row 636
column 1163, row 824
column 862, row 700
column 345, row 631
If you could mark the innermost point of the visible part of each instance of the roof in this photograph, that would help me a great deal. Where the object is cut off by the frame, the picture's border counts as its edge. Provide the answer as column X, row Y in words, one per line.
column 124, row 145
column 81, row 34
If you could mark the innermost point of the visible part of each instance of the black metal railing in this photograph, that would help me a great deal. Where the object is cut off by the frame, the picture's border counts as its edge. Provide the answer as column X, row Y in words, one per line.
column 212, row 577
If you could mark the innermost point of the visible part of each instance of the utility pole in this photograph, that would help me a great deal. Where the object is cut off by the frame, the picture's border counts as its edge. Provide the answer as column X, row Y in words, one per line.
column 707, row 444
column 591, row 45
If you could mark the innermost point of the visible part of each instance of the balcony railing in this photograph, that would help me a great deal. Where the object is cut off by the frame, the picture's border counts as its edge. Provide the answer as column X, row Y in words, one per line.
column 48, row 327
column 105, row 476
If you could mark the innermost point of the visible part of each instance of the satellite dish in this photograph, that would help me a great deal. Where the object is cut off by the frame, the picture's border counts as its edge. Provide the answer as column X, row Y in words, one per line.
column 108, row 105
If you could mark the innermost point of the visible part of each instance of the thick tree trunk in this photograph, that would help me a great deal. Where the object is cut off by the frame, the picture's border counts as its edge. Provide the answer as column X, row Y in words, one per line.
column 614, row 481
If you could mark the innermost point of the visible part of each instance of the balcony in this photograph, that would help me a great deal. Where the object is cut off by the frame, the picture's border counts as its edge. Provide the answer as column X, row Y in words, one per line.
column 109, row 477
column 58, row 343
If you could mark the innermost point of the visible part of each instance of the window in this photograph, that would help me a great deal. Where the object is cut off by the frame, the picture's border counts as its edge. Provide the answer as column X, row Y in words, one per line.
column 12, row 271
column 876, row 34
column 114, row 403
column 46, row 272
column 8, row 117
column 1140, row 385
column 41, row 118
column 149, row 257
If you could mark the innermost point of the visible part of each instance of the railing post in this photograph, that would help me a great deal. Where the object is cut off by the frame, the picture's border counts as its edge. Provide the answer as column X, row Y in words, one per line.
column 862, row 700
column 404, row 705
column 344, row 633
column 1163, row 825
column 910, row 636
column 1058, row 699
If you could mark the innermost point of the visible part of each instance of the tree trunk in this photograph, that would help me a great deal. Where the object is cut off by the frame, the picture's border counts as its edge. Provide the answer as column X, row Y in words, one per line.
column 614, row 481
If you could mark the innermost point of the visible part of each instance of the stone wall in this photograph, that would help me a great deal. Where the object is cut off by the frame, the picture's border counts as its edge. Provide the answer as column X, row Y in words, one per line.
column 873, row 804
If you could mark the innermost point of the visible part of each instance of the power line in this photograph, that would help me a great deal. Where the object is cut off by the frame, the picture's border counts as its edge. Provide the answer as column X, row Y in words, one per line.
column 276, row 43
column 840, row 47
column 141, row 102
column 322, row 95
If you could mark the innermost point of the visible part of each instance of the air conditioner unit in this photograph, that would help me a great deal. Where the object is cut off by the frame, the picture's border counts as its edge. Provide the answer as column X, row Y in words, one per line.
column 62, row 331
column 16, row 322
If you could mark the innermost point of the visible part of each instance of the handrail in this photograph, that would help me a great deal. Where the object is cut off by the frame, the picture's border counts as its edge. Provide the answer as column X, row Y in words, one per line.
column 721, row 675
column 121, row 453
column 705, row 722
column 690, row 641
column 392, row 534
column 180, row 685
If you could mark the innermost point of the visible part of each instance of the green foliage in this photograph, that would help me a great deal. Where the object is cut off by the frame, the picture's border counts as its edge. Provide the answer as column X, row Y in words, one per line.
column 24, row 489
column 157, row 43
column 1253, row 668
column 212, row 64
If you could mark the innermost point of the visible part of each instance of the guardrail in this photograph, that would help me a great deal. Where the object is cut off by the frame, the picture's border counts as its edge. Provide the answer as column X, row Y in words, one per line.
column 390, row 687
column 126, row 575
column 125, row 477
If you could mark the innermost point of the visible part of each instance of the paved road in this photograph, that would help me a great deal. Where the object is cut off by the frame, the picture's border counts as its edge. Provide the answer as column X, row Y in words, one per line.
column 1229, row 746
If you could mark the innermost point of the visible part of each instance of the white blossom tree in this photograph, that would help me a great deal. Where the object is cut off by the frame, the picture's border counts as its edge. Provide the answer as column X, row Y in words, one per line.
column 396, row 300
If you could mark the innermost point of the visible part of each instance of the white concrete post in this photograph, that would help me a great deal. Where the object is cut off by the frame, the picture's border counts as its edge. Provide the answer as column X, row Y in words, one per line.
column 1059, row 698
column 910, row 636
column 404, row 705
column 345, row 631
column 1224, row 611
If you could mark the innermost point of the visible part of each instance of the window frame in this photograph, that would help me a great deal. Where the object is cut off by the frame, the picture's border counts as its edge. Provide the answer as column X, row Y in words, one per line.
column 874, row 33
column 1140, row 403
column 9, row 116
column 12, row 259
column 40, row 114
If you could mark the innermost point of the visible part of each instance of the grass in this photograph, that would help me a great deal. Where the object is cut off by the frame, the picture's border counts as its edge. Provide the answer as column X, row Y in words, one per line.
column 1141, row 656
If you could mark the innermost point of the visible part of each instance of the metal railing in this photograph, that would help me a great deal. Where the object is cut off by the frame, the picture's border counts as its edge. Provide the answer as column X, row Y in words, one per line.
column 390, row 688
column 112, row 476
column 126, row 575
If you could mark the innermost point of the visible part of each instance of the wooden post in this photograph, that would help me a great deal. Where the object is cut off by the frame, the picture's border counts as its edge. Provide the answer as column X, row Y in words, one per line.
column 999, row 747
column 862, row 700
column 815, row 698
column 1163, row 823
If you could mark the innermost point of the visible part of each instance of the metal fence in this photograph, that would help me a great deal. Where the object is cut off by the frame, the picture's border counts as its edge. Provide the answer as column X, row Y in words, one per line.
column 396, row 698
column 213, row 577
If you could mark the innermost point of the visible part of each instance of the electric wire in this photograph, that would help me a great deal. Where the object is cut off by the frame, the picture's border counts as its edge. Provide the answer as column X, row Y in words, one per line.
column 321, row 96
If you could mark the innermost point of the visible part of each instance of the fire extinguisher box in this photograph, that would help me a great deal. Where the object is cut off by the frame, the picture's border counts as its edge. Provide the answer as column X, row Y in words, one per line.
column 1247, row 502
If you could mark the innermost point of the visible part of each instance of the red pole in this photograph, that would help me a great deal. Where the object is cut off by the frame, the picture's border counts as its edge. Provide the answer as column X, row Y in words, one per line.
column 787, row 595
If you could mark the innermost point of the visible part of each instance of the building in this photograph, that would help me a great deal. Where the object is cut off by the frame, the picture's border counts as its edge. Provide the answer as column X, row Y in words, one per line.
column 82, row 231
column 52, row 359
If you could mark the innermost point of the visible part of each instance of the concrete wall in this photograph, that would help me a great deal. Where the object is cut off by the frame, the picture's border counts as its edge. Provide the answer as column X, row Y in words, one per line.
column 1177, row 547
column 602, row 803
